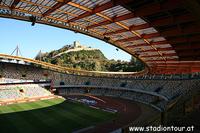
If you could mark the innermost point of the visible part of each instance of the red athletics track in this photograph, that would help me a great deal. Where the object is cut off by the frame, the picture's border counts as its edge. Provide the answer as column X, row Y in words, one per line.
column 128, row 111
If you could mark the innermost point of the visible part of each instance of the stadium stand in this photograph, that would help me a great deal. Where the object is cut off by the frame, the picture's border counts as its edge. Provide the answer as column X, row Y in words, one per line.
column 161, row 92
column 15, row 92
column 168, row 88
column 163, row 87
column 154, row 38
column 10, row 93
column 124, row 94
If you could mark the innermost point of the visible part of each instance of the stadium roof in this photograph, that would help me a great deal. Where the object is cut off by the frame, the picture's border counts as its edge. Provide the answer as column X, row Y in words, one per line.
column 165, row 34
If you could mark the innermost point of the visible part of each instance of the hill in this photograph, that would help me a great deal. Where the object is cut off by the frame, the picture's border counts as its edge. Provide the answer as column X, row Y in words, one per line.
column 86, row 58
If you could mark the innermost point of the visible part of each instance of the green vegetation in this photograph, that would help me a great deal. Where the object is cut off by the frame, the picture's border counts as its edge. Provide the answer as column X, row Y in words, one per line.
column 49, row 116
column 92, row 60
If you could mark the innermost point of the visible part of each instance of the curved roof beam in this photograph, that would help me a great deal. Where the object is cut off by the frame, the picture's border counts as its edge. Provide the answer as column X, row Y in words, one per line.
column 155, row 55
column 158, row 22
column 58, row 5
column 118, row 23
column 100, row 8
column 174, row 20
column 170, row 32
column 142, row 12
column 144, row 44
column 14, row 4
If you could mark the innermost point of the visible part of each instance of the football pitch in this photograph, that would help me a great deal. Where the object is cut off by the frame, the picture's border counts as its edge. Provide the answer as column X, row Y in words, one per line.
column 49, row 116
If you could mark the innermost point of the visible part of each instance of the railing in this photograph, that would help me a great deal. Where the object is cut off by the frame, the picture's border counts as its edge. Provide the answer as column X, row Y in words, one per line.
column 75, row 71
column 114, row 88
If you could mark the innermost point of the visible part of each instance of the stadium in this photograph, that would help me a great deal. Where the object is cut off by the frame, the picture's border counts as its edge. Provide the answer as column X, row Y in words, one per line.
column 37, row 96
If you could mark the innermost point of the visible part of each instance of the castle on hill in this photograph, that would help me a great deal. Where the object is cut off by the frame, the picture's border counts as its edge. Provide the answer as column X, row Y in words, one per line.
column 76, row 46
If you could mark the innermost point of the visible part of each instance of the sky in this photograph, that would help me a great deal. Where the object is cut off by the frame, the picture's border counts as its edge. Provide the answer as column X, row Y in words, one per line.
column 32, row 39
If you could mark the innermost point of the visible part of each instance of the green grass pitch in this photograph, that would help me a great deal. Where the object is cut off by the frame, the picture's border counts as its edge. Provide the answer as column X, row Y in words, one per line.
column 49, row 116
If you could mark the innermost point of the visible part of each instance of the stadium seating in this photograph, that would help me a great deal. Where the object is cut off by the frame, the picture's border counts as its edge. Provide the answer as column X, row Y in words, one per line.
column 21, row 72
column 9, row 92
column 124, row 94
column 168, row 86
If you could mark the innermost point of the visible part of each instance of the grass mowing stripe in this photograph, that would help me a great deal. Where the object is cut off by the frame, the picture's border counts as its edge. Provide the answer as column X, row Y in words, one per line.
column 21, row 122
column 46, row 123
column 71, row 107
column 87, row 120
column 97, row 114
column 39, row 119
column 71, row 119
column 12, row 117
column 54, row 115
column 20, row 107
column 21, row 104
column 6, row 125
column 84, row 112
